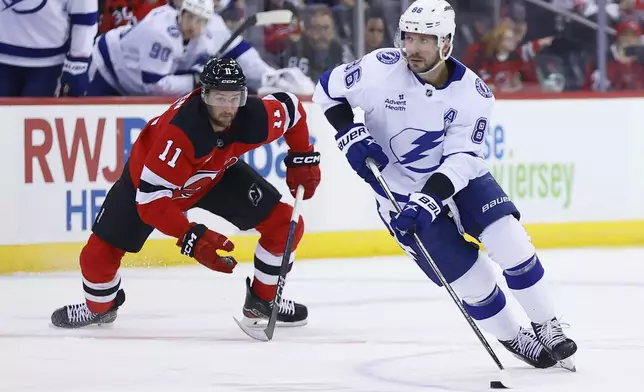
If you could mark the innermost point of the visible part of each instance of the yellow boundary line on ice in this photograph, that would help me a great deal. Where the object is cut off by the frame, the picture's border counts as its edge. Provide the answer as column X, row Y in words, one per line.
column 157, row 253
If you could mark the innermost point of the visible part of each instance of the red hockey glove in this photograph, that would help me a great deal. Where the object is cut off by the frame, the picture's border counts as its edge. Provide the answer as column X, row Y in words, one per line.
column 202, row 245
column 303, row 168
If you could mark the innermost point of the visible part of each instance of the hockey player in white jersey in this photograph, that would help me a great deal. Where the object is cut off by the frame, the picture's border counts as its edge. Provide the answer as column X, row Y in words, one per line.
column 45, row 46
column 425, row 127
column 143, row 59
column 164, row 53
column 262, row 78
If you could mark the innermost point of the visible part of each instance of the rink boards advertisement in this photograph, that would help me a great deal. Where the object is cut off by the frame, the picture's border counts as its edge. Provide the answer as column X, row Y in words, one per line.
column 572, row 166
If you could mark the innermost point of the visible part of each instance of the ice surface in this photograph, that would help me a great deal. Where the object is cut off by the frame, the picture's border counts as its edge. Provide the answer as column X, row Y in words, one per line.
column 374, row 325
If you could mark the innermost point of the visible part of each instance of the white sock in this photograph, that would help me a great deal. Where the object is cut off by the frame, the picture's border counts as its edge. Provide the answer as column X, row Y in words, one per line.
column 509, row 245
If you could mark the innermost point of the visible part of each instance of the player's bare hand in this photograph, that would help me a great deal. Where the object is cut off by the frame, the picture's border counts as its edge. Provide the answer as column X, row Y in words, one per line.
column 202, row 244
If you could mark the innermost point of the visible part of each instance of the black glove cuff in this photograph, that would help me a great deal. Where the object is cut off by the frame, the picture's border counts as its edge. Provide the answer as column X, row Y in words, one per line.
column 190, row 239
column 440, row 186
column 295, row 159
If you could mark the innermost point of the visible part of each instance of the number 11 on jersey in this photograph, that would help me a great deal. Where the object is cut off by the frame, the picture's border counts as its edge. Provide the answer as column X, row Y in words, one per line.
column 164, row 155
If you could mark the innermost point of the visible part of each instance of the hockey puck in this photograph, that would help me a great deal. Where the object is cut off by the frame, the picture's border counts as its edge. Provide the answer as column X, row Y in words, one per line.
column 497, row 385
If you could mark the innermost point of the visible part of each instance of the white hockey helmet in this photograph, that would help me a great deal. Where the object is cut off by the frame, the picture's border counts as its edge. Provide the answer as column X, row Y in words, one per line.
column 431, row 17
column 202, row 8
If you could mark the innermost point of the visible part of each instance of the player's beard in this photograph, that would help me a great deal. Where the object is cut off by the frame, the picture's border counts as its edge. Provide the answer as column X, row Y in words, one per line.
column 424, row 67
column 223, row 120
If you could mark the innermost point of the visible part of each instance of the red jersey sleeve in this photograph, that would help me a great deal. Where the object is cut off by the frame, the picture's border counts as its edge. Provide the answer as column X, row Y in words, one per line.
column 167, row 167
column 286, row 116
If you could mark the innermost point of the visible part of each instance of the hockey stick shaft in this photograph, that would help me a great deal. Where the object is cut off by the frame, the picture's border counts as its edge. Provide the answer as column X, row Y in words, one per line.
column 376, row 172
column 286, row 257
column 259, row 19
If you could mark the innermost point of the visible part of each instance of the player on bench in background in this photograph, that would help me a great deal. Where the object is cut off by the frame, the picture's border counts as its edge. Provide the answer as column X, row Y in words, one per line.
column 189, row 157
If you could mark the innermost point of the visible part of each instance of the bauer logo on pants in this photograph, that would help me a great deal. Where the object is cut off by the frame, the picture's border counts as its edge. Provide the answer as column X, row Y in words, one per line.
column 255, row 194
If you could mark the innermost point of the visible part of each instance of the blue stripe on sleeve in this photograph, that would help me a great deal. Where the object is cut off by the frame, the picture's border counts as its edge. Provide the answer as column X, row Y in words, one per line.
column 238, row 50
column 89, row 19
column 34, row 53
column 324, row 82
column 150, row 77
column 102, row 48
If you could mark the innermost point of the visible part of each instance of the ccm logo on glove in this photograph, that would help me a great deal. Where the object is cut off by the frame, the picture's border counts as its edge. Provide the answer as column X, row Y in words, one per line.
column 303, row 168
column 307, row 160
column 202, row 245
column 189, row 245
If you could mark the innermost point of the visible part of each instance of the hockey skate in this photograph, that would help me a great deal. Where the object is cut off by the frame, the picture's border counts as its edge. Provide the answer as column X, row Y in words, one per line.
column 560, row 347
column 257, row 311
column 527, row 348
column 79, row 315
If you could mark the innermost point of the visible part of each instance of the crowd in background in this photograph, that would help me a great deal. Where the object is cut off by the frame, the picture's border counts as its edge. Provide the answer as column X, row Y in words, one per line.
column 523, row 48
column 515, row 45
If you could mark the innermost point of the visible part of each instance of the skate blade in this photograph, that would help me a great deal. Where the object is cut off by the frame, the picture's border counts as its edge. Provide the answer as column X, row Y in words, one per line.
column 568, row 364
column 254, row 323
column 255, row 333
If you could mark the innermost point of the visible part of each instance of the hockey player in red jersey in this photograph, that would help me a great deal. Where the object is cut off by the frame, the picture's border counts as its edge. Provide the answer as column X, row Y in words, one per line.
column 189, row 158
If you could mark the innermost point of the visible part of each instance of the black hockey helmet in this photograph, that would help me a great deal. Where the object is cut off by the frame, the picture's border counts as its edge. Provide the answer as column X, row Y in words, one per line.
column 222, row 75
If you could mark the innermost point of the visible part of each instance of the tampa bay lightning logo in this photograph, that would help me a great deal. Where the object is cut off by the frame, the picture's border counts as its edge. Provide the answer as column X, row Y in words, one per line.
column 483, row 89
column 23, row 6
column 412, row 147
column 388, row 57
column 174, row 31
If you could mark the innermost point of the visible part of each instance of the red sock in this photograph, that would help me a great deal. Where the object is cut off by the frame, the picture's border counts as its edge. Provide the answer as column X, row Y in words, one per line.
column 268, row 254
column 264, row 291
column 99, row 262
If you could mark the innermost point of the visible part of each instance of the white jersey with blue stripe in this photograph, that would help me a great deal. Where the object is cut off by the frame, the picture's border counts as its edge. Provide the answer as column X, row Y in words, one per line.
column 143, row 59
column 39, row 33
column 151, row 58
column 421, row 128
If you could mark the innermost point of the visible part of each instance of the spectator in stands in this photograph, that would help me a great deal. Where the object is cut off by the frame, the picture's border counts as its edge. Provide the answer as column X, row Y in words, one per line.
column 475, row 53
column 629, row 12
column 276, row 37
column 625, row 71
column 344, row 19
column 233, row 13
column 375, row 31
column 507, row 67
column 123, row 12
column 320, row 49
column 625, row 68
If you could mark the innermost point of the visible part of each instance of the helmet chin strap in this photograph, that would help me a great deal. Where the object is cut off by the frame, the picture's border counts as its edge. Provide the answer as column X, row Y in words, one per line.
column 441, row 60
column 430, row 69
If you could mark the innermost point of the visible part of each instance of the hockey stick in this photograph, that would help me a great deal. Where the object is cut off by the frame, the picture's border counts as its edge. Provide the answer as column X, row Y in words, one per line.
column 265, row 18
column 504, row 377
column 266, row 334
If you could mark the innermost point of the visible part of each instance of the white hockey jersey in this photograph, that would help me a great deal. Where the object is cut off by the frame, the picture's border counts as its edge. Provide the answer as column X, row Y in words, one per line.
column 143, row 59
column 38, row 33
column 422, row 129
column 150, row 58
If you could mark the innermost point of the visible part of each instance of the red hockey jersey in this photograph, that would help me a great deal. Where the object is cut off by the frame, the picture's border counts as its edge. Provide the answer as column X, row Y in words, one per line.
column 178, row 157
column 122, row 12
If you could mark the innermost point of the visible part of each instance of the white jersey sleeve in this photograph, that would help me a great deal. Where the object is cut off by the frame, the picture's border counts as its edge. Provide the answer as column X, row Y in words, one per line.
column 241, row 51
column 158, row 44
column 350, row 82
column 83, row 16
column 467, row 123
column 41, row 33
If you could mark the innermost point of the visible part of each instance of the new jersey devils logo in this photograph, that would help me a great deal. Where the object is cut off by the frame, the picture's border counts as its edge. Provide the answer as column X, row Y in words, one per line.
column 255, row 194
column 198, row 181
